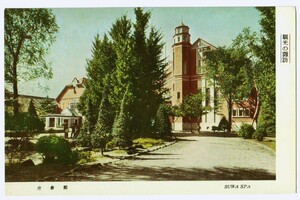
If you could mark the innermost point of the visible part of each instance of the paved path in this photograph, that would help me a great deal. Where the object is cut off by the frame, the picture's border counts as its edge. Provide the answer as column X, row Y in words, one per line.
column 191, row 158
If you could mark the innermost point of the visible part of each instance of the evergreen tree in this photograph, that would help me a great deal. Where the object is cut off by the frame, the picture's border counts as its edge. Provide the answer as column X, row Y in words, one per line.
column 142, row 119
column 84, row 137
column 121, row 130
column 47, row 106
column 123, row 47
column 100, row 69
column 129, row 58
column 162, row 122
column 31, row 109
column 102, row 132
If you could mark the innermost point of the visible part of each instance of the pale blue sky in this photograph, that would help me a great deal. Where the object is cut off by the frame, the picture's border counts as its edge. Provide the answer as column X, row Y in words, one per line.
column 77, row 28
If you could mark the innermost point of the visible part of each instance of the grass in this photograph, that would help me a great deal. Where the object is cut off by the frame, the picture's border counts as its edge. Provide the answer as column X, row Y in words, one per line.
column 269, row 143
column 148, row 142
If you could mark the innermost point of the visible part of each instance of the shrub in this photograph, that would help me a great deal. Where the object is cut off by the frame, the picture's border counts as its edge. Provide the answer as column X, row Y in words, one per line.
column 266, row 123
column 120, row 130
column 246, row 131
column 22, row 144
column 85, row 157
column 223, row 124
column 110, row 145
column 162, row 122
column 55, row 148
column 84, row 138
column 23, row 122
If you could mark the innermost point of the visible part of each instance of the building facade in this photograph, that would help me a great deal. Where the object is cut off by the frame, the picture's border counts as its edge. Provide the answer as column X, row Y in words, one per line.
column 187, row 76
column 67, row 112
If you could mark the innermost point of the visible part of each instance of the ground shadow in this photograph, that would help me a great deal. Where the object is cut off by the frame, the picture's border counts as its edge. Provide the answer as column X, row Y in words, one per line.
column 122, row 172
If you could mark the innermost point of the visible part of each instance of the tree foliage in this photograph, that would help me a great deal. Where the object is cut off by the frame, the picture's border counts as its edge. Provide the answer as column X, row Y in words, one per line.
column 121, row 128
column 31, row 109
column 129, row 55
column 192, row 108
column 102, row 132
column 260, row 48
column 229, row 68
column 28, row 34
column 163, row 126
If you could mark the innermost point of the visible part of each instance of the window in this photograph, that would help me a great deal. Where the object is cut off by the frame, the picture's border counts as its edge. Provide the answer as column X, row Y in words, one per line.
column 241, row 112
column 184, row 68
column 234, row 112
column 199, row 63
column 73, row 104
column 173, row 87
column 216, row 97
column 247, row 112
column 199, row 84
column 178, row 39
column 178, row 95
column 199, row 69
column 207, row 100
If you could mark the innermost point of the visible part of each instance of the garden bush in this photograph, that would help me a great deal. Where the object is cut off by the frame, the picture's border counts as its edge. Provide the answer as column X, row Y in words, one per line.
column 85, row 157
column 56, row 149
column 223, row 124
column 266, row 125
column 162, row 122
column 110, row 145
column 246, row 131
column 84, row 138
column 23, row 122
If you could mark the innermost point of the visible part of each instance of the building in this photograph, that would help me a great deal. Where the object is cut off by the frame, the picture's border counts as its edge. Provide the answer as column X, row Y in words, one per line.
column 186, row 76
column 41, row 104
column 67, row 100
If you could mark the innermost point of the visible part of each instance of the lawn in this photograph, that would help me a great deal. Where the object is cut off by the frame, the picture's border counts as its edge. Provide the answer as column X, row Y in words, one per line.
column 269, row 143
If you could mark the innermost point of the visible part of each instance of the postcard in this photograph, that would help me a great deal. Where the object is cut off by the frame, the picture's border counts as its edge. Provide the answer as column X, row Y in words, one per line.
column 149, row 100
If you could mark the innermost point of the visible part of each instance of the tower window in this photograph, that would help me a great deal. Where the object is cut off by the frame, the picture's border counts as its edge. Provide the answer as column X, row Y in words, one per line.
column 184, row 68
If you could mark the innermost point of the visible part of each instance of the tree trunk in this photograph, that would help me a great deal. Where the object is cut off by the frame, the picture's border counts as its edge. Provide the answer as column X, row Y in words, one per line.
column 15, row 74
column 102, row 151
column 229, row 114
column 191, row 124
column 15, row 88
column 257, row 108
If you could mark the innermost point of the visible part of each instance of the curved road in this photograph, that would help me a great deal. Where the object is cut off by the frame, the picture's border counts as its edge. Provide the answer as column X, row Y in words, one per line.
column 191, row 158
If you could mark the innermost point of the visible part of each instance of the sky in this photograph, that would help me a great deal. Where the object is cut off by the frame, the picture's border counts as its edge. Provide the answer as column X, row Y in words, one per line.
column 78, row 27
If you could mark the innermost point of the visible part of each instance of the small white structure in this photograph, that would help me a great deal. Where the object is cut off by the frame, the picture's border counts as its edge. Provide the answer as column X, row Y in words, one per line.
column 67, row 116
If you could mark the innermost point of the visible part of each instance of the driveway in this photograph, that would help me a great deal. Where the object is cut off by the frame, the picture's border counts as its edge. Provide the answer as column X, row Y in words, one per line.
column 191, row 158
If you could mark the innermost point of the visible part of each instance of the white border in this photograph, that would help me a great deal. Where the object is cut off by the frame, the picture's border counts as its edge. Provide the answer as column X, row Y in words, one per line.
column 284, row 91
